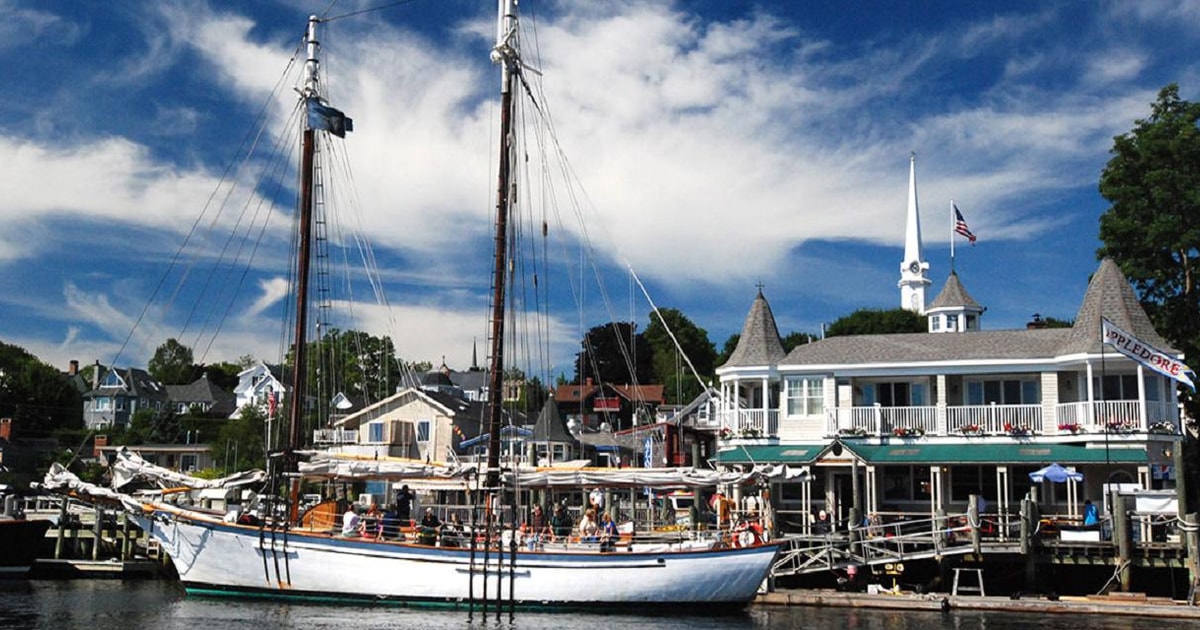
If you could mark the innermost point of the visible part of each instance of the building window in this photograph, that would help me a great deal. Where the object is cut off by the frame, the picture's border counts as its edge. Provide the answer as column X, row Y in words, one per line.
column 187, row 462
column 952, row 322
column 375, row 432
column 899, row 394
column 423, row 430
column 972, row 322
column 1003, row 392
column 805, row 396
column 103, row 404
column 1117, row 387
column 935, row 323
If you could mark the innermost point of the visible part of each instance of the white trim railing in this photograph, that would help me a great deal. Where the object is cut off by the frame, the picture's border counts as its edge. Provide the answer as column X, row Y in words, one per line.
column 335, row 436
column 994, row 420
column 1115, row 416
column 750, row 423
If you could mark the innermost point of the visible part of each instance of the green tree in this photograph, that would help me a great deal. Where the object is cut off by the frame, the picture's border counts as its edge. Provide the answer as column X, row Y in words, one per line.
column 38, row 398
column 872, row 321
column 172, row 364
column 239, row 442
column 1152, row 227
column 680, row 384
column 793, row 339
column 727, row 349
column 614, row 353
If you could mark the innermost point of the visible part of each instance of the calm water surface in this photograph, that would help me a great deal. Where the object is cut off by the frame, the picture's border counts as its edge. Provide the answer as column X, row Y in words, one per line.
column 160, row 605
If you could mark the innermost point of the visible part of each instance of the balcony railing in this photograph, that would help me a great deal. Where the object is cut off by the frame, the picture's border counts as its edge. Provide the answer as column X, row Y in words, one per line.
column 751, row 423
column 335, row 436
column 1118, row 416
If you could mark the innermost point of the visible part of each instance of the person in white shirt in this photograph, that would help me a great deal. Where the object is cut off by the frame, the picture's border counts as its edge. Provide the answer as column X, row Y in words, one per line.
column 351, row 522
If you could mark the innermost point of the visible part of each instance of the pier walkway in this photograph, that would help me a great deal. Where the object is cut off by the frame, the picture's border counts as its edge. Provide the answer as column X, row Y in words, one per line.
column 874, row 545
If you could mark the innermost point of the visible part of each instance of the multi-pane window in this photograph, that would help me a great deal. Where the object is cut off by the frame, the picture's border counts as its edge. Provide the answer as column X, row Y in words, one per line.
column 423, row 430
column 375, row 432
column 805, row 395
column 1002, row 392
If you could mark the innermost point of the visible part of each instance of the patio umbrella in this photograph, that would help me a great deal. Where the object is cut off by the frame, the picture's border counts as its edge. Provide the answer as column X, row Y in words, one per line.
column 1055, row 473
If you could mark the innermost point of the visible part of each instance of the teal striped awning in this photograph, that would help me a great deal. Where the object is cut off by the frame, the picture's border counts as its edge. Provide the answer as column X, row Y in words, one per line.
column 997, row 454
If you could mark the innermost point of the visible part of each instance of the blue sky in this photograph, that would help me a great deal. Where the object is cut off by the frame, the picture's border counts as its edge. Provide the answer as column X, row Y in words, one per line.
column 720, row 145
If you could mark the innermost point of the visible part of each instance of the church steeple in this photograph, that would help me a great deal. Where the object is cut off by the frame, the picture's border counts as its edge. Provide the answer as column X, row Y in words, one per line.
column 913, row 279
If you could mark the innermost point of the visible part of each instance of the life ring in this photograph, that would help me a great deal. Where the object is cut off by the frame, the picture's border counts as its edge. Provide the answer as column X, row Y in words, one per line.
column 745, row 536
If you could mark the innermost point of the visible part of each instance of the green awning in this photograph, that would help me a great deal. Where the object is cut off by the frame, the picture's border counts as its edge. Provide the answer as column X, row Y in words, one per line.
column 770, row 454
column 995, row 454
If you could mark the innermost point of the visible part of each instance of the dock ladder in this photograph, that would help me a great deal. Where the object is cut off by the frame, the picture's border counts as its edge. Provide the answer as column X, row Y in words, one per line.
column 968, row 589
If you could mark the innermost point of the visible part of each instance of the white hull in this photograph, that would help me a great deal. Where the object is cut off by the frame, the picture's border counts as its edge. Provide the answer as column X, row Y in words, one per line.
column 213, row 557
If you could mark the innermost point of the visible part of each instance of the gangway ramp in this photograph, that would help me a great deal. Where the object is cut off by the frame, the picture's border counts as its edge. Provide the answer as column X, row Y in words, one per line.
column 874, row 545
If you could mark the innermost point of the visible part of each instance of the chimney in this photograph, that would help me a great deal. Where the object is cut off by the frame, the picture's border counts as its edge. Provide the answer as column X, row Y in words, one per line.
column 588, row 382
column 98, row 442
column 96, row 376
column 1037, row 322
column 73, row 368
column 6, row 429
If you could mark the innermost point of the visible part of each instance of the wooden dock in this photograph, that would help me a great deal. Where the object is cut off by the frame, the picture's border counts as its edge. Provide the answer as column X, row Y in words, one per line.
column 1136, row 604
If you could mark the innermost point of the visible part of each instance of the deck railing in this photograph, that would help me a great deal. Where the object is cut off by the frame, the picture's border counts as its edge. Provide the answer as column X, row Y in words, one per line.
column 335, row 436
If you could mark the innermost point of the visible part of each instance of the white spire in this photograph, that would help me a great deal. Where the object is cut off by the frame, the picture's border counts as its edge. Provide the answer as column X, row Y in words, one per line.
column 913, row 268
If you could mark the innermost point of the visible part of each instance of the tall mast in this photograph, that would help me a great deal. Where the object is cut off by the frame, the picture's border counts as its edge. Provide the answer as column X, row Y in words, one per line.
column 300, row 359
column 506, row 54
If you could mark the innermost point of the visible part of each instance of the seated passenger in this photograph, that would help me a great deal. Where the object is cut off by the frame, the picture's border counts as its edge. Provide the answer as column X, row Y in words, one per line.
column 430, row 525
column 351, row 522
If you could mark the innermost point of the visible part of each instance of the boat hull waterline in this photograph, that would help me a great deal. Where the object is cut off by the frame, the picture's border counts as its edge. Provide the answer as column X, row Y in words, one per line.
column 217, row 558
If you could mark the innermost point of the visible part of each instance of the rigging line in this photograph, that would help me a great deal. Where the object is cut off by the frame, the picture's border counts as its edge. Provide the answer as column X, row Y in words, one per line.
column 380, row 7
column 282, row 158
column 179, row 252
column 667, row 327
column 280, row 164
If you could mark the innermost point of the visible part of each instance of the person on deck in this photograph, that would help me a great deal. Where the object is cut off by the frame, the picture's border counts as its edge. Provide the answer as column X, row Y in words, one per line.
column 560, row 524
column 608, row 533
column 822, row 526
column 430, row 527
column 588, row 527
column 404, row 500
column 351, row 523
column 1091, row 516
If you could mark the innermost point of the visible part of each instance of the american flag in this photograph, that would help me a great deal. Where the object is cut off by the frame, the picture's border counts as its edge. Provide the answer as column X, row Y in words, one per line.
column 960, row 225
column 272, row 403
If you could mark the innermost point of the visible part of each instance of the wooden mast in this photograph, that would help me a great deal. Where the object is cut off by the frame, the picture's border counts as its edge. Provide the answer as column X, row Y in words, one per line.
column 505, row 53
column 303, row 257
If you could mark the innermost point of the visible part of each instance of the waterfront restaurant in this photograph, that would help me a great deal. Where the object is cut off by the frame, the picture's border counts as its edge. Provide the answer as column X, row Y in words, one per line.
column 882, row 426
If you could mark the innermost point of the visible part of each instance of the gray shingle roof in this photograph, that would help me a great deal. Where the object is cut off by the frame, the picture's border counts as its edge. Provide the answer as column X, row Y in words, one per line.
column 1109, row 295
column 759, row 343
column 953, row 294
column 550, row 426
column 923, row 347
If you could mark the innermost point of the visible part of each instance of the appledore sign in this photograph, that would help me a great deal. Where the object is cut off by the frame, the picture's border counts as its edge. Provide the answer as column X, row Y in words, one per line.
column 1145, row 354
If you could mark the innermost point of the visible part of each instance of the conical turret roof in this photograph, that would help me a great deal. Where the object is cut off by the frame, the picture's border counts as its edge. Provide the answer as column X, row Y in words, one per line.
column 550, row 426
column 759, row 343
column 1110, row 296
column 954, row 295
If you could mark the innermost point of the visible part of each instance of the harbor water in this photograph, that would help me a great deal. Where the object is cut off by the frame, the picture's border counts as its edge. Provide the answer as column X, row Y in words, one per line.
column 161, row 605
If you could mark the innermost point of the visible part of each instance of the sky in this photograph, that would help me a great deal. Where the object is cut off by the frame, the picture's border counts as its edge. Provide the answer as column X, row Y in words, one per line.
column 718, row 147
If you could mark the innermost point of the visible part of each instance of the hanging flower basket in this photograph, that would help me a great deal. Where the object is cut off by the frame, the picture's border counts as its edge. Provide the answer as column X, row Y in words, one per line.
column 1162, row 428
column 1071, row 427
column 725, row 433
column 1120, row 427
column 908, row 432
column 750, row 432
column 1016, row 430
column 852, row 432
column 970, row 430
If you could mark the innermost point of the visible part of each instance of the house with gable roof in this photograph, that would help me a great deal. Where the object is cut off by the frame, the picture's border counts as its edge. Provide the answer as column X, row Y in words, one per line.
column 926, row 420
column 117, row 394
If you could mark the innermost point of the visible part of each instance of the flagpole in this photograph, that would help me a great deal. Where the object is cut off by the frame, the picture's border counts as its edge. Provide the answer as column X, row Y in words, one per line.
column 952, row 236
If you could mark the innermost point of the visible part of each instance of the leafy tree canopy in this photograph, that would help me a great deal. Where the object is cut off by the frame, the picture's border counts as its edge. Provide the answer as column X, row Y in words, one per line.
column 172, row 364
column 1152, row 227
column 869, row 321
column 614, row 353
column 38, row 397
column 670, row 368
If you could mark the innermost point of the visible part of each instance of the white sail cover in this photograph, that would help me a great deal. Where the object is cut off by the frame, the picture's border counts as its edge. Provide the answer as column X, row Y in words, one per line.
column 660, row 478
column 328, row 467
column 128, row 466
column 62, row 481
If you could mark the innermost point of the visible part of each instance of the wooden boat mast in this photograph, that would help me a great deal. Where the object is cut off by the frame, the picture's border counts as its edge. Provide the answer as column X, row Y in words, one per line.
column 303, row 258
column 506, row 55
